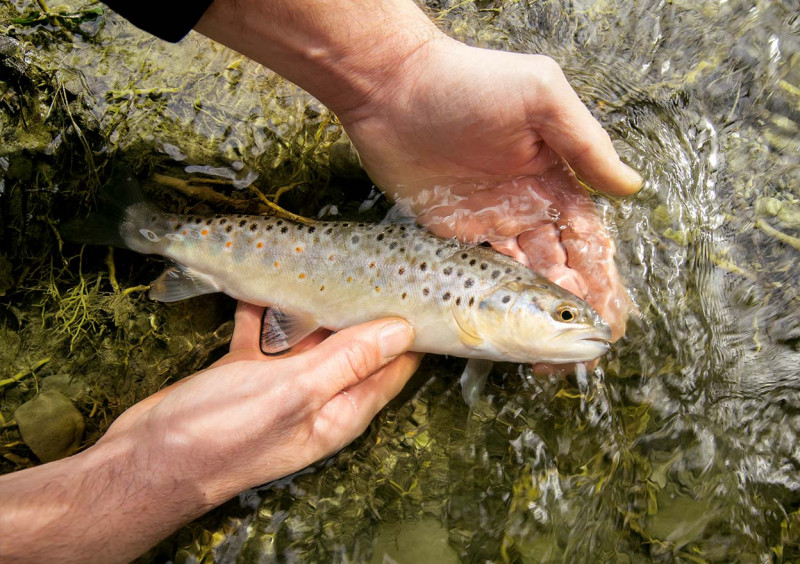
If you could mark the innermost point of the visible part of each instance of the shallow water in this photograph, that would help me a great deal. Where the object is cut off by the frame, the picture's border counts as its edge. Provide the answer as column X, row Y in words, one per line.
column 683, row 443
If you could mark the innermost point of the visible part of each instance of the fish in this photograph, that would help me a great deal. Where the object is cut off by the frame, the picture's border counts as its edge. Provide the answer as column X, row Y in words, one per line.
column 462, row 300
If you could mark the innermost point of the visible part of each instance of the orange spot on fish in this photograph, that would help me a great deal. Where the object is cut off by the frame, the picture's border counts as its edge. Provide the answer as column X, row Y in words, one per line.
column 330, row 257
column 229, row 243
column 322, row 288
column 275, row 264
column 298, row 249
column 301, row 276
column 349, row 278
column 204, row 232
column 259, row 245
column 185, row 232
column 372, row 265
column 377, row 288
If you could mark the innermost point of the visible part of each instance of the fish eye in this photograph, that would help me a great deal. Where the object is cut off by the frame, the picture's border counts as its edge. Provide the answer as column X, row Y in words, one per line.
column 566, row 313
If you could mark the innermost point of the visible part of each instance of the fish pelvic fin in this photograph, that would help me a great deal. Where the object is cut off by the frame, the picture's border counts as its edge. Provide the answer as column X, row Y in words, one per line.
column 473, row 379
column 179, row 282
column 280, row 331
column 105, row 226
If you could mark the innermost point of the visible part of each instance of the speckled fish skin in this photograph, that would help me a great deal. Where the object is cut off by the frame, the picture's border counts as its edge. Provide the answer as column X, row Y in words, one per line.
column 467, row 301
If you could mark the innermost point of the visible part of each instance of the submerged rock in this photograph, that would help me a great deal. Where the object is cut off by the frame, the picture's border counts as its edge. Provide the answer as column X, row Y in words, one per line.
column 50, row 425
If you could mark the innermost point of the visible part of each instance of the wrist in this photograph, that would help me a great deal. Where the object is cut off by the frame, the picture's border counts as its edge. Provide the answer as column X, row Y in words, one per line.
column 343, row 53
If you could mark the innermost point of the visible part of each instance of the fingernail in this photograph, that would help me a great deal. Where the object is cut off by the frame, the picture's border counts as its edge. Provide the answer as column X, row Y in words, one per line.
column 634, row 179
column 395, row 338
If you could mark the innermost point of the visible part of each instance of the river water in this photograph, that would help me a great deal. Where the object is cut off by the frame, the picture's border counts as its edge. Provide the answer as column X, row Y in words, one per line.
column 682, row 444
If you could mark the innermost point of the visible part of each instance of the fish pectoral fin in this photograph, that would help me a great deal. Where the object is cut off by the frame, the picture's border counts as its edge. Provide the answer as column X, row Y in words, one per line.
column 473, row 379
column 179, row 282
column 468, row 334
column 280, row 331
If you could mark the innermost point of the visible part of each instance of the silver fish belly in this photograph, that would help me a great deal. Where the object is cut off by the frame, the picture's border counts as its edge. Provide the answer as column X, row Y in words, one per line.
column 467, row 301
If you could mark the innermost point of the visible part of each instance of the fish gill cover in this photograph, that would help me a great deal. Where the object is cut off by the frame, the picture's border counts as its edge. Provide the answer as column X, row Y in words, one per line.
column 682, row 446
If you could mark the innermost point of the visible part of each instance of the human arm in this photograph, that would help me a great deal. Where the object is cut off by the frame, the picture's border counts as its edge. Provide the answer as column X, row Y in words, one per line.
column 246, row 420
column 474, row 142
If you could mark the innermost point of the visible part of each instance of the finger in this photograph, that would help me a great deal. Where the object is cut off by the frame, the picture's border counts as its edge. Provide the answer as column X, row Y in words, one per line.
column 569, row 129
column 352, row 355
column 355, row 407
column 247, row 328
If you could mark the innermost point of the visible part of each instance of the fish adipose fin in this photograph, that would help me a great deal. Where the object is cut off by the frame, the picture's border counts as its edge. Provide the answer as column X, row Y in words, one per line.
column 280, row 331
column 473, row 379
column 179, row 282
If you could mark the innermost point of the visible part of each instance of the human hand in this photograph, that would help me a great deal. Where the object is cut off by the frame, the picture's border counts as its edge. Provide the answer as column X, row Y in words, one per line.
column 476, row 144
column 249, row 419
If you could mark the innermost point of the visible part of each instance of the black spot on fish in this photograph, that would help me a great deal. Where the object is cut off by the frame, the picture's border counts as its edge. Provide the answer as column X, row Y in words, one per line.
column 284, row 229
column 253, row 226
column 153, row 218
column 404, row 236
column 361, row 225
column 279, row 222
column 311, row 228
column 469, row 282
column 458, row 301
column 425, row 291
column 229, row 229
column 223, row 221
column 508, row 269
column 464, row 256
column 401, row 250
column 270, row 227
column 439, row 252
column 506, row 299
column 199, row 220
column 402, row 228
column 380, row 237
column 446, row 296
column 242, row 223
column 471, row 301
column 329, row 230
column 519, row 278
column 423, row 267
column 393, row 245
column 401, row 271
column 484, row 266
column 355, row 239
column 447, row 271
column 460, row 272
column 404, row 296
column 209, row 221
column 472, row 262
column 178, row 226
column 495, row 274
column 390, row 231
column 300, row 226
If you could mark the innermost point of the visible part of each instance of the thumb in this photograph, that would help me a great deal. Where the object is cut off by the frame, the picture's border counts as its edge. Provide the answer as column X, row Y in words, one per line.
column 352, row 355
column 570, row 130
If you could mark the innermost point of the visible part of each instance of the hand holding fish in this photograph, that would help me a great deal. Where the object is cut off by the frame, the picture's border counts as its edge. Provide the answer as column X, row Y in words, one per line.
column 246, row 420
column 479, row 144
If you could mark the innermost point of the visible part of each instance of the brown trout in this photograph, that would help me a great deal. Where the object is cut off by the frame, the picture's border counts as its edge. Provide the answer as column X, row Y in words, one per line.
column 466, row 301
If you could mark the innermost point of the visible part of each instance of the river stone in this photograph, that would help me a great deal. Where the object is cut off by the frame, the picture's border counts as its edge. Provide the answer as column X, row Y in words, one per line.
column 71, row 387
column 50, row 425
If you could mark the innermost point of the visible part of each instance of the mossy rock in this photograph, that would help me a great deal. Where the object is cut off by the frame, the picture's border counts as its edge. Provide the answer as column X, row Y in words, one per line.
column 50, row 425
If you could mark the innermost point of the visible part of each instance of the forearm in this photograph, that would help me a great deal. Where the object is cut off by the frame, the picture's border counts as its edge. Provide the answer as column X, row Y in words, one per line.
column 102, row 505
column 341, row 51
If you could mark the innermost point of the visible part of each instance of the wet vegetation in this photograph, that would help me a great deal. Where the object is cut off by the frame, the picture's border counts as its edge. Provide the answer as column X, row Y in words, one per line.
column 681, row 446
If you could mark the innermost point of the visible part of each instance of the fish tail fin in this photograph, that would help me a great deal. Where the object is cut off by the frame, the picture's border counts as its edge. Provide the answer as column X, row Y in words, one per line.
column 117, row 199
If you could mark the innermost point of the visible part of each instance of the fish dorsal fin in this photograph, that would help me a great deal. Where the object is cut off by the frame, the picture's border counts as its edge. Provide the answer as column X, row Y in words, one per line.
column 281, row 331
column 473, row 379
column 179, row 282
column 466, row 332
